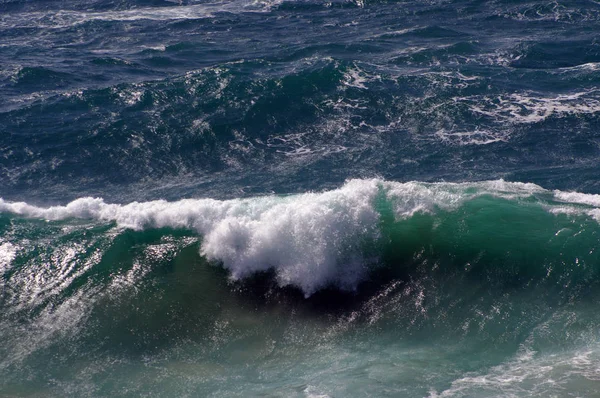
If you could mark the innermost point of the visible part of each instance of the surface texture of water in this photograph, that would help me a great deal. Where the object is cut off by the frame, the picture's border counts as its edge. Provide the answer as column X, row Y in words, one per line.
column 299, row 198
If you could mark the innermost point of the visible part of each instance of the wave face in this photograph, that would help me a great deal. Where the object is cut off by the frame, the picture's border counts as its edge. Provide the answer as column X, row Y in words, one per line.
column 315, row 240
column 299, row 198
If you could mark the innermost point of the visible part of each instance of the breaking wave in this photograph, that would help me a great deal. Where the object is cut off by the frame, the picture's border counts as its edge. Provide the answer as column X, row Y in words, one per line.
column 339, row 237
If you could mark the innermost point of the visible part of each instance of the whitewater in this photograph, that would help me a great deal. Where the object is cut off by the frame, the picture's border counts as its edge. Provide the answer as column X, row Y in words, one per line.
column 311, row 240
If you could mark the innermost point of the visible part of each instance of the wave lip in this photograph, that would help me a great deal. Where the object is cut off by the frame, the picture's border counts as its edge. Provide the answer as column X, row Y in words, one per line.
column 311, row 240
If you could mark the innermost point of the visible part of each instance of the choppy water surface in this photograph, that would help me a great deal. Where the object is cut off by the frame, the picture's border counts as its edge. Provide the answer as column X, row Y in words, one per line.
column 299, row 198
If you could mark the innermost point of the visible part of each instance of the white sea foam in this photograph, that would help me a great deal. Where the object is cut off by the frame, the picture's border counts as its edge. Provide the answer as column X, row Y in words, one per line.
column 310, row 240
column 551, row 11
column 8, row 252
column 570, row 198
column 506, row 112
column 394, row 33
column 310, row 392
column 530, row 374
column 577, row 197
column 528, row 108
column 475, row 137
column 355, row 77
column 66, row 18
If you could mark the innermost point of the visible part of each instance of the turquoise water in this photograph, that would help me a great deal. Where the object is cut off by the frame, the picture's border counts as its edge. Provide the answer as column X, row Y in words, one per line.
column 380, row 288
column 299, row 198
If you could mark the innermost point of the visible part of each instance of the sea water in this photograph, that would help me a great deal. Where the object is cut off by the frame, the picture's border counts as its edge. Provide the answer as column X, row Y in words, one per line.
column 299, row 198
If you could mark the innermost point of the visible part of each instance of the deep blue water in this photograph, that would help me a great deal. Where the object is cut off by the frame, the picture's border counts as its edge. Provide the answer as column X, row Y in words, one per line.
column 299, row 198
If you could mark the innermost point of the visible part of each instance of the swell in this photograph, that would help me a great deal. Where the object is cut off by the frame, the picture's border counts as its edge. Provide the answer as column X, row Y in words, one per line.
column 351, row 118
column 496, row 232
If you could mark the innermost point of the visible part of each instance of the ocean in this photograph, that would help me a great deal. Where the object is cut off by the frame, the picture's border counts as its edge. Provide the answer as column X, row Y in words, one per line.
column 299, row 198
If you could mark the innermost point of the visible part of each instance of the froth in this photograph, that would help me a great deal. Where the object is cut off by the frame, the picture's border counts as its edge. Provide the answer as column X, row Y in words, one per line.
column 310, row 240
column 8, row 252
column 528, row 108
column 539, row 375
column 66, row 18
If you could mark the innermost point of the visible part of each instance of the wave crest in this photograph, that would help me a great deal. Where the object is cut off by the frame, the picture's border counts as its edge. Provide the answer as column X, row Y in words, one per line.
column 315, row 240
